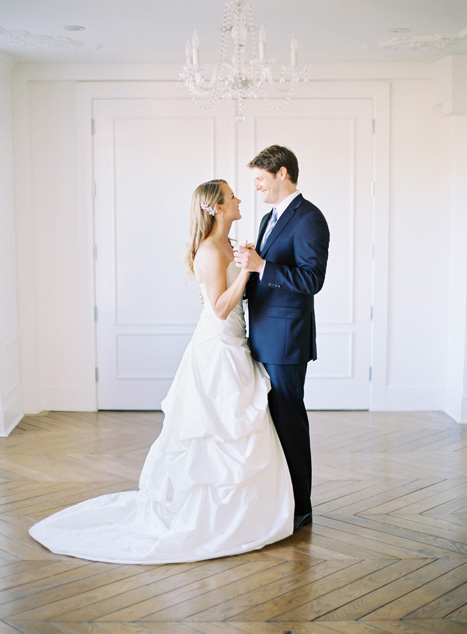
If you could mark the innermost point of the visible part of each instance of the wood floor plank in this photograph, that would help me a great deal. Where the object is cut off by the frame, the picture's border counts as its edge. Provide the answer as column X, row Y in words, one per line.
column 81, row 628
column 394, row 593
column 400, row 627
column 428, row 592
column 387, row 551
column 235, row 604
column 68, row 585
column 5, row 628
column 40, row 573
column 176, row 628
column 440, row 626
column 180, row 600
column 420, row 543
column 161, row 580
column 350, row 627
column 263, row 628
column 37, row 627
column 353, row 602
column 460, row 614
column 289, row 605
column 354, row 534
column 443, row 606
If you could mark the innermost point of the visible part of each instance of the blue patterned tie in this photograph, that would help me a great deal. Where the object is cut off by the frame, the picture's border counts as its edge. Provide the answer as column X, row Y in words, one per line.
column 270, row 227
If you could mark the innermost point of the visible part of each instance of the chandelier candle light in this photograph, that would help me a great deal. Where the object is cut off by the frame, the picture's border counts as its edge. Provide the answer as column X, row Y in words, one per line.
column 245, row 76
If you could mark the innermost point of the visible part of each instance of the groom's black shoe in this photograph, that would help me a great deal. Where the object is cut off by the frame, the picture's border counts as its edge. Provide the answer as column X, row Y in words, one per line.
column 299, row 521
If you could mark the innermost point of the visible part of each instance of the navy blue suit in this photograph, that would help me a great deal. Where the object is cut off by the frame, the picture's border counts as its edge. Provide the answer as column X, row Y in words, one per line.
column 282, row 332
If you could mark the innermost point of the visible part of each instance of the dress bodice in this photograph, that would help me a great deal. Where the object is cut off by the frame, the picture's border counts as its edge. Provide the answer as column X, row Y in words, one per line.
column 234, row 325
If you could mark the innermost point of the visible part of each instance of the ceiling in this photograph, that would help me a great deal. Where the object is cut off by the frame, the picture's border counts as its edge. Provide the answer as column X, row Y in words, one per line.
column 155, row 32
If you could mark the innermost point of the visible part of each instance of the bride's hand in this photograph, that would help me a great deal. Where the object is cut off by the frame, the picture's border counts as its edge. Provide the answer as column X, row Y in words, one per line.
column 248, row 245
column 246, row 258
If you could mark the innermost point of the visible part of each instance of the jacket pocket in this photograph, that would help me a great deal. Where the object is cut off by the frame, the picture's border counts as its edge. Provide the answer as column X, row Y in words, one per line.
column 283, row 312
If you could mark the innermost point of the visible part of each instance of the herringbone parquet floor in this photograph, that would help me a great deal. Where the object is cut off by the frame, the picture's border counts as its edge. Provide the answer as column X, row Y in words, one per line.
column 387, row 551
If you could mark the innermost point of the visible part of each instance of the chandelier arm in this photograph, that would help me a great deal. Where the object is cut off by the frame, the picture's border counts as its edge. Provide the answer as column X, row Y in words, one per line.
column 246, row 76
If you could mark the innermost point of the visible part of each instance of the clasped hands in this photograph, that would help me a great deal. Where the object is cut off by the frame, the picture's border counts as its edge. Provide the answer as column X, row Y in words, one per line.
column 247, row 258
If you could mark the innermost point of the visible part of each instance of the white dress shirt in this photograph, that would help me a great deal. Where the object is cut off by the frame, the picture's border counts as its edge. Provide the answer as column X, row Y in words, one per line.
column 281, row 207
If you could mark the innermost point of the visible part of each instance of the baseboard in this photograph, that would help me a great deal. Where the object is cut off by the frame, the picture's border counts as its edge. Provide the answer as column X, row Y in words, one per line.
column 7, row 423
column 424, row 398
column 456, row 406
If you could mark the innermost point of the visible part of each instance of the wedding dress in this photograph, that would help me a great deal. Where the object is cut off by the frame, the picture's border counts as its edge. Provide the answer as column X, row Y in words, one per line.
column 214, row 483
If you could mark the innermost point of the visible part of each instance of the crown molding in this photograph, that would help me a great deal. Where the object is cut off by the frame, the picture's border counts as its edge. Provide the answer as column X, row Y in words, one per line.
column 25, row 41
column 6, row 61
column 425, row 42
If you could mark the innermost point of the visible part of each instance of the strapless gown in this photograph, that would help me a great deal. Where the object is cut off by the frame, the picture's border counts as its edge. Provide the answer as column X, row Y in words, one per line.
column 214, row 483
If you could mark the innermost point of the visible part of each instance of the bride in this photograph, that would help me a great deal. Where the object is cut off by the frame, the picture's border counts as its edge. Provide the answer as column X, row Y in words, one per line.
column 215, row 482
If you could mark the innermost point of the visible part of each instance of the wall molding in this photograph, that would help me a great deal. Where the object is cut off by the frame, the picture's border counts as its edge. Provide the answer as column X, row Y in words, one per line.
column 414, row 399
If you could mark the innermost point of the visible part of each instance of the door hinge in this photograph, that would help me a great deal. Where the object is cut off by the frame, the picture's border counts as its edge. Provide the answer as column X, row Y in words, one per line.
column 371, row 313
column 372, row 189
column 374, row 126
column 93, row 190
column 95, row 313
column 93, row 127
column 94, row 251
column 370, row 373
column 97, row 374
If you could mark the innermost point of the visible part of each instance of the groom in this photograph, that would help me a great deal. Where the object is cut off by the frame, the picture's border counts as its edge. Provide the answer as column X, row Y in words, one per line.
column 288, row 269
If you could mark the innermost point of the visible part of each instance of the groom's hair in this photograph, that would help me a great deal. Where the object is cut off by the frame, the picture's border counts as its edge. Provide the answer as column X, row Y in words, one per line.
column 273, row 158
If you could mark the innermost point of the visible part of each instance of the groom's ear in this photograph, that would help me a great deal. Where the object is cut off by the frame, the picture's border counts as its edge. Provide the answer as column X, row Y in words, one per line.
column 283, row 173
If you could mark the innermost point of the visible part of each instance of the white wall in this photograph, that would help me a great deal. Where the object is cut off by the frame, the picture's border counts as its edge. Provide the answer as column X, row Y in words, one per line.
column 51, row 255
column 55, row 263
column 450, row 94
column 456, row 392
column 418, row 248
column 10, row 393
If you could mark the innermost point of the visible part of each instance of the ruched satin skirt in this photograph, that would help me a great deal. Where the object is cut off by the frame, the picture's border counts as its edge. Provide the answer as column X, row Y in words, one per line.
column 214, row 483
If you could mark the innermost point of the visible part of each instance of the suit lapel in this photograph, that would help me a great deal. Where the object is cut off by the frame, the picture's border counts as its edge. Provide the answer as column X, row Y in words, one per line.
column 262, row 229
column 281, row 223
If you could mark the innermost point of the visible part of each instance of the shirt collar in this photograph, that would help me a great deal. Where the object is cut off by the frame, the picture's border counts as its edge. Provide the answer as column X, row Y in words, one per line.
column 282, row 206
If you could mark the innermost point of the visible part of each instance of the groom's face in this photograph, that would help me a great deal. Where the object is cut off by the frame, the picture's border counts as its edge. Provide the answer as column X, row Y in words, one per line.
column 269, row 185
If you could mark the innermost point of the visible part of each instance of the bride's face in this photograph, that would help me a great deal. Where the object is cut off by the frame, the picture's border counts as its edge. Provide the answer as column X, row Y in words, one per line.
column 231, row 205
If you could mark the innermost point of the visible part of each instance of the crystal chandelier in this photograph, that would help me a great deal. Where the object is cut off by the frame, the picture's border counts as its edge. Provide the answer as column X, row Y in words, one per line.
column 245, row 76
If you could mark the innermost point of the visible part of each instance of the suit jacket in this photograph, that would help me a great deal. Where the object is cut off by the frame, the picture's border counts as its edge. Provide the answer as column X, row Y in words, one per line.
column 281, row 305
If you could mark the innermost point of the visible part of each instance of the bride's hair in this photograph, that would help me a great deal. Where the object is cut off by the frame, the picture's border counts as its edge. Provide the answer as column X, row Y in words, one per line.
column 203, row 202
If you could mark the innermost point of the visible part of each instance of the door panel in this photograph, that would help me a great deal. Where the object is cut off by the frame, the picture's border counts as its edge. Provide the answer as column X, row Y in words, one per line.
column 333, row 141
column 149, row 155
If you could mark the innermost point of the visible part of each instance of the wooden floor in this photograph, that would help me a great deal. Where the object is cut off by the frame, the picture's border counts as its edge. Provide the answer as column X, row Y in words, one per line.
column 387, row 551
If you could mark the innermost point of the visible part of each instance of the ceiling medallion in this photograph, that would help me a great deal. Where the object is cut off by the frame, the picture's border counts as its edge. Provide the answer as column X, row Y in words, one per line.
column 27, row 41
column 247, row 74
column 437, row 41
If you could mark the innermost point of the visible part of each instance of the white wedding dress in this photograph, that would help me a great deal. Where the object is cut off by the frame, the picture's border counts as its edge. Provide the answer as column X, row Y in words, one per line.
column 214, row 483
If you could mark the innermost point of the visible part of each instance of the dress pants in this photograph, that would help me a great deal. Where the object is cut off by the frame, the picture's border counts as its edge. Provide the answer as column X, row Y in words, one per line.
column 291, row 421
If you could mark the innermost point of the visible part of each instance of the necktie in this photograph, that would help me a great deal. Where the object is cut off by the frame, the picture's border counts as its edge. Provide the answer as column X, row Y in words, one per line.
column 270, row 227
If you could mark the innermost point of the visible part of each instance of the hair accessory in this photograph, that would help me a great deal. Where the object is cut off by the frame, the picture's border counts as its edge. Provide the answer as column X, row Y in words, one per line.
column 211, row 211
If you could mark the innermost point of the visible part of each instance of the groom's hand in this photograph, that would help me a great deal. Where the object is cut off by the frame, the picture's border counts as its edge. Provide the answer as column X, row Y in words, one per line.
column 246, row 258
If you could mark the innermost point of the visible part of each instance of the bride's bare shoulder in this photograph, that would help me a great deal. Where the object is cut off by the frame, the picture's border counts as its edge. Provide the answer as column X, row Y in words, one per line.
column 208, row 257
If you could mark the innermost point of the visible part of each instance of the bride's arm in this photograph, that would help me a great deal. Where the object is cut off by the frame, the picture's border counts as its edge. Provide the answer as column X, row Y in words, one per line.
column 213, row 264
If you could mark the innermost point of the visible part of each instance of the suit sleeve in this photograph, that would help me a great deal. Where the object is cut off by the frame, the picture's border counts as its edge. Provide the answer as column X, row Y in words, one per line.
column 311, row 244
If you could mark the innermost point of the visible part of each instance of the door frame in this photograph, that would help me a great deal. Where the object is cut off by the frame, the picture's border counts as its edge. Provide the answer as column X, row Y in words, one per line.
column 377, row 91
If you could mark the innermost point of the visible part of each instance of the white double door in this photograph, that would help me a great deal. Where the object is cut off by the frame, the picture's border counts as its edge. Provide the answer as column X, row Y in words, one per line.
column 149, row 156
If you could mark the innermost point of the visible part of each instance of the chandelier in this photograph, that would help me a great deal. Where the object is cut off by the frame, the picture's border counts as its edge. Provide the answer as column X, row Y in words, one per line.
column 247, row 74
